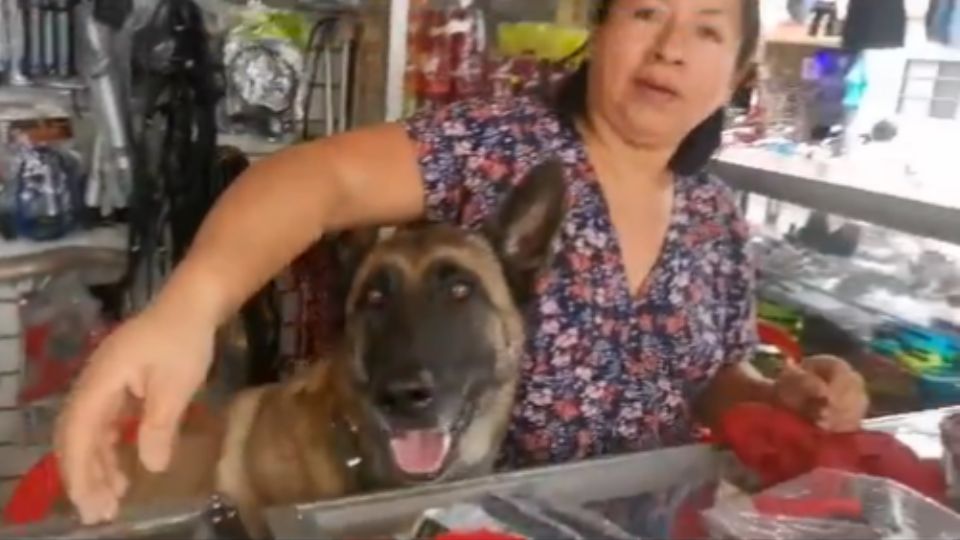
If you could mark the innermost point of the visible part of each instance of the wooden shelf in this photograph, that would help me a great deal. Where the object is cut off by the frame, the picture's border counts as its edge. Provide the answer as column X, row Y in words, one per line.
column 795, row 35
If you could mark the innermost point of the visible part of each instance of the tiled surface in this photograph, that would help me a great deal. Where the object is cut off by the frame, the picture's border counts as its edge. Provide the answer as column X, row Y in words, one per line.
column 11, row 426
column 6, row 489
column 9, row 388
column 11, row 354
column 16, row 459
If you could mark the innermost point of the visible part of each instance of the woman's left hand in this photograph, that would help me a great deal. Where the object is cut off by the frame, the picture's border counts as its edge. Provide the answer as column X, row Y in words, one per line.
column 826, row 391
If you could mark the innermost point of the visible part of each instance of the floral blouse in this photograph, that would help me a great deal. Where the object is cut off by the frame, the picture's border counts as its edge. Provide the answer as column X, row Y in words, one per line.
column 605, row 370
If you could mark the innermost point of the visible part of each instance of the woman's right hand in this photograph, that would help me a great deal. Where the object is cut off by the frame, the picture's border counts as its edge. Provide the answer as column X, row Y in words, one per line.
column 158, row 359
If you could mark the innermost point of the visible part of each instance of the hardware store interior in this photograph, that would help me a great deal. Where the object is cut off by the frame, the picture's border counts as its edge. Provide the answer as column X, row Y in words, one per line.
column 122, row 122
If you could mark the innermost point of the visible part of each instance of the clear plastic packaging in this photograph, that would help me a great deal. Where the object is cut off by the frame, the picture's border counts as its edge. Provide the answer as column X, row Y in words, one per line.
column 527, row 517
column 265, row 59
column 62, row 325
column 828, row 504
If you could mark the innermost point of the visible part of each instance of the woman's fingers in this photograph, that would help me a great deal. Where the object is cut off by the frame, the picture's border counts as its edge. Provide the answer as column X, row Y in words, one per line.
column 166, row 397
column 82, row 429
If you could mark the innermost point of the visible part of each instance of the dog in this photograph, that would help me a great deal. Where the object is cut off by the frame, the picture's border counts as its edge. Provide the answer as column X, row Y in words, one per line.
column 421, row 389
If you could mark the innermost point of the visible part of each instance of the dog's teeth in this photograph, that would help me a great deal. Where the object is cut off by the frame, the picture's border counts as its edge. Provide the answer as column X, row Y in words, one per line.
column 354, row 462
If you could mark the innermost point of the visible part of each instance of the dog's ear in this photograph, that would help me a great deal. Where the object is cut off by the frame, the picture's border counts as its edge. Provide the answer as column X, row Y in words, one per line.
column 351, row 247
column 526, row 224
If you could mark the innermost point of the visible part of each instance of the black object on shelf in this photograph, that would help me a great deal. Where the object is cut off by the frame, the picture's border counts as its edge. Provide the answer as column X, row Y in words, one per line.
column 112, row 13
column 816, row 235
column 825, row 19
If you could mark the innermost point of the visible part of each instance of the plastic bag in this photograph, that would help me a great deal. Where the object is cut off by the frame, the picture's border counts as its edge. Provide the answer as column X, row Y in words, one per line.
column 62, row 325
column 526, row 517
column 264, row 57
column 828, row 504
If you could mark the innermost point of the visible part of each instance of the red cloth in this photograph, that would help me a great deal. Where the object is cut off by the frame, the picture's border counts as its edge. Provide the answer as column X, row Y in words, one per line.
column 779, row 446
column 40, row 489
column 477, row 535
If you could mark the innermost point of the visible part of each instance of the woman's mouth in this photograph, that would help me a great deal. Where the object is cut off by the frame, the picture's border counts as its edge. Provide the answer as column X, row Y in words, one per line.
column 656, row 92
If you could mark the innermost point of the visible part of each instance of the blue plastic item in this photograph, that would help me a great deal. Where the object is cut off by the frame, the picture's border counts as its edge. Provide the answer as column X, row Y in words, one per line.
column 48, row 188
column 938, row 390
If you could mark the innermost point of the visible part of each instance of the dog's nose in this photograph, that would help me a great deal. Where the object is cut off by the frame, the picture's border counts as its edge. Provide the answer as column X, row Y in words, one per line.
column 407, row 394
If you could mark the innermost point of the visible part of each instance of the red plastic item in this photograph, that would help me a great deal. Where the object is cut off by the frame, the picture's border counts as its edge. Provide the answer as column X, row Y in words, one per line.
column 771, row 334
column 53, row 374
column 779, row 446
column 41, row 487
column 477, row 535
column 809, row 508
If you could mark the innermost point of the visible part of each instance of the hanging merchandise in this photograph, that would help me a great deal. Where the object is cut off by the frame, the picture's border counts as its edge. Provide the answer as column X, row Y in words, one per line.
column 824, row 18
column 264, row 57
column 40, row 40
column 875, row 24
column 178, row 91
column 449, row 57
column 943, row 22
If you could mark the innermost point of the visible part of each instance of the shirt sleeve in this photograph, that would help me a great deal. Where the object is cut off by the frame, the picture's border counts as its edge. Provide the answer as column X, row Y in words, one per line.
column 469, row 151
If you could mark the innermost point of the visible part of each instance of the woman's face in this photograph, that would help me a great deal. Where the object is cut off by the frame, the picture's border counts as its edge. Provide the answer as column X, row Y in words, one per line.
column 660, row 67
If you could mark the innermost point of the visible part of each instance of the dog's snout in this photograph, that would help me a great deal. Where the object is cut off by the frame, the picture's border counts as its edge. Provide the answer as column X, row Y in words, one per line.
column 408, row 394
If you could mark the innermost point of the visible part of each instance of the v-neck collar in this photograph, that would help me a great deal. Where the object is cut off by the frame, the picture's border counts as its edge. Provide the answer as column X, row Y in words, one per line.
column 651, row 289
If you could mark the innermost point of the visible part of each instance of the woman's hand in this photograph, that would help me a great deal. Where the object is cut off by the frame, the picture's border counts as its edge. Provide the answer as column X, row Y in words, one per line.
column 826, row 391
column 159, row 358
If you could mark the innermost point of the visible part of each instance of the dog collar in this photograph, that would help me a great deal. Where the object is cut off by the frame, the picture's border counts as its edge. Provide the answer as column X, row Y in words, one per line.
column 346, row 440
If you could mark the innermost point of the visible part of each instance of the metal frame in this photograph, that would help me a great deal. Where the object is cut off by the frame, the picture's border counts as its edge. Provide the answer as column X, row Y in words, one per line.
column 371, row 516
column 796, row 185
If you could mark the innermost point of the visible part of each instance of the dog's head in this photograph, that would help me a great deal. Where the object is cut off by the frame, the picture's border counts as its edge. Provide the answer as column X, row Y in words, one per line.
column 435, row 327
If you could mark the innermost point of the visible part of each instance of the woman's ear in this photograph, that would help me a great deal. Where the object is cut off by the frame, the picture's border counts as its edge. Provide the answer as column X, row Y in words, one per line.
column 524, row 227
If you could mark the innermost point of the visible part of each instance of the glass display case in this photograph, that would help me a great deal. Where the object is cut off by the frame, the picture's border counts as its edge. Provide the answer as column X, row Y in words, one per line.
column 657, row 494
column 859, row 259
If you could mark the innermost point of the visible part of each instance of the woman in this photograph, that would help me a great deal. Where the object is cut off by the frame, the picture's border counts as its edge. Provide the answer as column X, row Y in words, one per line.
column 645, row 314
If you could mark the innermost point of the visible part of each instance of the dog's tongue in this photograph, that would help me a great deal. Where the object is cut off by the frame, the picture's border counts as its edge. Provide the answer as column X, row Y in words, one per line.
column 420, row 451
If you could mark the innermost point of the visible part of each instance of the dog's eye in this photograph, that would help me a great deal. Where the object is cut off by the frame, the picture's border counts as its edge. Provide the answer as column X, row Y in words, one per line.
column 374, row 298
column 460, row 291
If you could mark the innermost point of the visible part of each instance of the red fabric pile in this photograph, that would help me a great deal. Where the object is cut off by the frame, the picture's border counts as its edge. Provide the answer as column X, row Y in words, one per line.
column 40, row 489
column 778, row 446
column 477, row 535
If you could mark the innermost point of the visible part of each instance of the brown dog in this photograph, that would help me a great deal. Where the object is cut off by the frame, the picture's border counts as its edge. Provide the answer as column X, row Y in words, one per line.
column 421, row 389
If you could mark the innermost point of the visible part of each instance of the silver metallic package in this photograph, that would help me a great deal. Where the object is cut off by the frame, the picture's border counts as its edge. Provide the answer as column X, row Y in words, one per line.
column 264, row 60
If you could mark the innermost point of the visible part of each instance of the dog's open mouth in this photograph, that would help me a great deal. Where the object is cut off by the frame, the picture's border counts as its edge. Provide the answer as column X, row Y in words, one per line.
column 421, row 452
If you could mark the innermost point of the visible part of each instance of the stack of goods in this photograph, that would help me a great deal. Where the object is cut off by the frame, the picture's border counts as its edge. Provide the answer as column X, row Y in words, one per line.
column 38, row 41
column 814, row 484
column 785, row 479
column 929, row 354
column 828, row 504
column 450, row 57
column 42, row 177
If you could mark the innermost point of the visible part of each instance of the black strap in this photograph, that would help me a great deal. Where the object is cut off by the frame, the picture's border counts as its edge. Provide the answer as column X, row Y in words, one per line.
column 112, row 13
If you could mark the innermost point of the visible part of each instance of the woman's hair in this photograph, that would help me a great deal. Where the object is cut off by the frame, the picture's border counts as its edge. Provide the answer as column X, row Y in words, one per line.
column 700, row 144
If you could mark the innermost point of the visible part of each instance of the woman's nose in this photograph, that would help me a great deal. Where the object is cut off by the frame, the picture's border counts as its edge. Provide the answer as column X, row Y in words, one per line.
column 669, row 48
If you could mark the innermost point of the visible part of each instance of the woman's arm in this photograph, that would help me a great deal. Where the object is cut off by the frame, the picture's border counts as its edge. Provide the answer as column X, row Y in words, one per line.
column 282, row 204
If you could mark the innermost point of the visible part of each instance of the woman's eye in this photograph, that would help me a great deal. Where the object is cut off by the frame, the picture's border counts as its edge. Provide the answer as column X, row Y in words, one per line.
column 646, row 14
column 710, row 33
